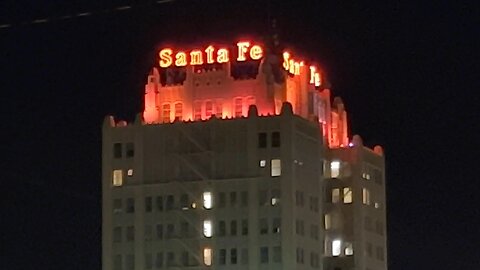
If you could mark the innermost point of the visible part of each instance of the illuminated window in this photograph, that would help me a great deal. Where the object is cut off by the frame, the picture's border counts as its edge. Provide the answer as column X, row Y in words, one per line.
column 207, row 200
column 238, row 107
column 347, row 195
column 166, row 112
column 263, row 163
column 335, row 169
column 117, row 178
column 130, row 172
column 276, row 167
column 335, row 195
column 197, row 110
column 377, row 205
column 207, row 228
column 208, row 109
column 336, row 247
column 179, row 111
column 365, row 196
column 276, row 225
column 218, row 109
column 348, row 249
column 328, row 221
column 207, row 256
column 275, row 198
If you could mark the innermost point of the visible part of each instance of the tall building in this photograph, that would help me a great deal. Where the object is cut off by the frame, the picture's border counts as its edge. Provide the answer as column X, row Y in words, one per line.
column 240, row 161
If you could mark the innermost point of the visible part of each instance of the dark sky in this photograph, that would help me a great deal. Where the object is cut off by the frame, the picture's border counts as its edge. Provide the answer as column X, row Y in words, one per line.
column 408, row 74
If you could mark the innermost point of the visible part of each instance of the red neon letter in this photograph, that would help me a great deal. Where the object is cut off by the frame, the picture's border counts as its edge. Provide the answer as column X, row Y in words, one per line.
column 256, row 52
column 196, row 58
column 181, row 59
column 242, row 49
column 165, row 58
column 222, row 56
column 209, row 50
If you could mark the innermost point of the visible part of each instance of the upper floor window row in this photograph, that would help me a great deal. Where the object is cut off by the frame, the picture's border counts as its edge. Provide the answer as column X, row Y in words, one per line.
column 274, row 139
column 123, row 150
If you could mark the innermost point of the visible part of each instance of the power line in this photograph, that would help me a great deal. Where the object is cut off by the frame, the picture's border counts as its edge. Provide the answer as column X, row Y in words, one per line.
column 77, row 15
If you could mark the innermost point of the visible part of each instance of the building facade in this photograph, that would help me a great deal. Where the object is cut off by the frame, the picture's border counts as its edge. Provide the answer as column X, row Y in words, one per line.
column 240, row 163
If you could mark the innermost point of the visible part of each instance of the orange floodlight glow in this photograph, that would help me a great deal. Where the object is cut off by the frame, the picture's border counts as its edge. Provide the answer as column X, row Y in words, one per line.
column 256, row 52
column 242, row 50
column 181, row 59
column 165, row 57
column 196, row 58
column 222, row 56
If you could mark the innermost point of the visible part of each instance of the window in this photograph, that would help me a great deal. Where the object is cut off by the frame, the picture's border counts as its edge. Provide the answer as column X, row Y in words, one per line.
column 159, row 231
column 129, row 262
column 299, row 198
column 262, row 197
column 335, row 195
column 130, row 207
column 335, row 169
column 314, row 231
column 299, row 227
column 170, row 202
column 117, row 150
column 369, row 249
column 208, row 109
column 276, row 139
column 276, row 167
column 348, row 248
column 233, row 198
column 184, row 229
column 275, row 199
column 207, row 256
column 314, row 260
column 238, row 107
column 117, row 234
column 207, row 228
column 222, row 199
column 263, row 224
column 159, row 200
column 197, row 110
column 276, row 224
column 185, row 258
column 233, row 227
column 222, row 257
column 347, row 195
column 336, row 247
column 170, row 258
column 244, row 227
column 277, row 254
column 117, row 262
column 130, row 234
column 379, row 227
column 328, row 221
column 170, row 231
column 264, row 255
column 159, row 260
column 221, row 228
column 179, row 111
column 148, row 261
column 130, row 172
column 166, row 112
column 262, row 140
column 244, row 198
column 147, row 234
column 184, row 204
column 130, row 150
column 207, row 200
column 117, row 206
column 148, row 204
column 244, row 256
column 233, row 256
column 300, row 255
column 377, row 175
column 117, row 178
column 218, row 109
column 380, row 255
column 263, row 163
column 365, row 196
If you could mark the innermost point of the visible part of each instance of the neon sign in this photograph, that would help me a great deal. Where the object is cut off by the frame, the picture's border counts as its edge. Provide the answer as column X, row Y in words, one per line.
column 245, row 51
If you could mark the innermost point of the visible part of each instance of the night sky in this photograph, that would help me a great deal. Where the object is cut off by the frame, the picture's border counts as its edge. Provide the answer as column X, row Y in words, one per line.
column 408, row 74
